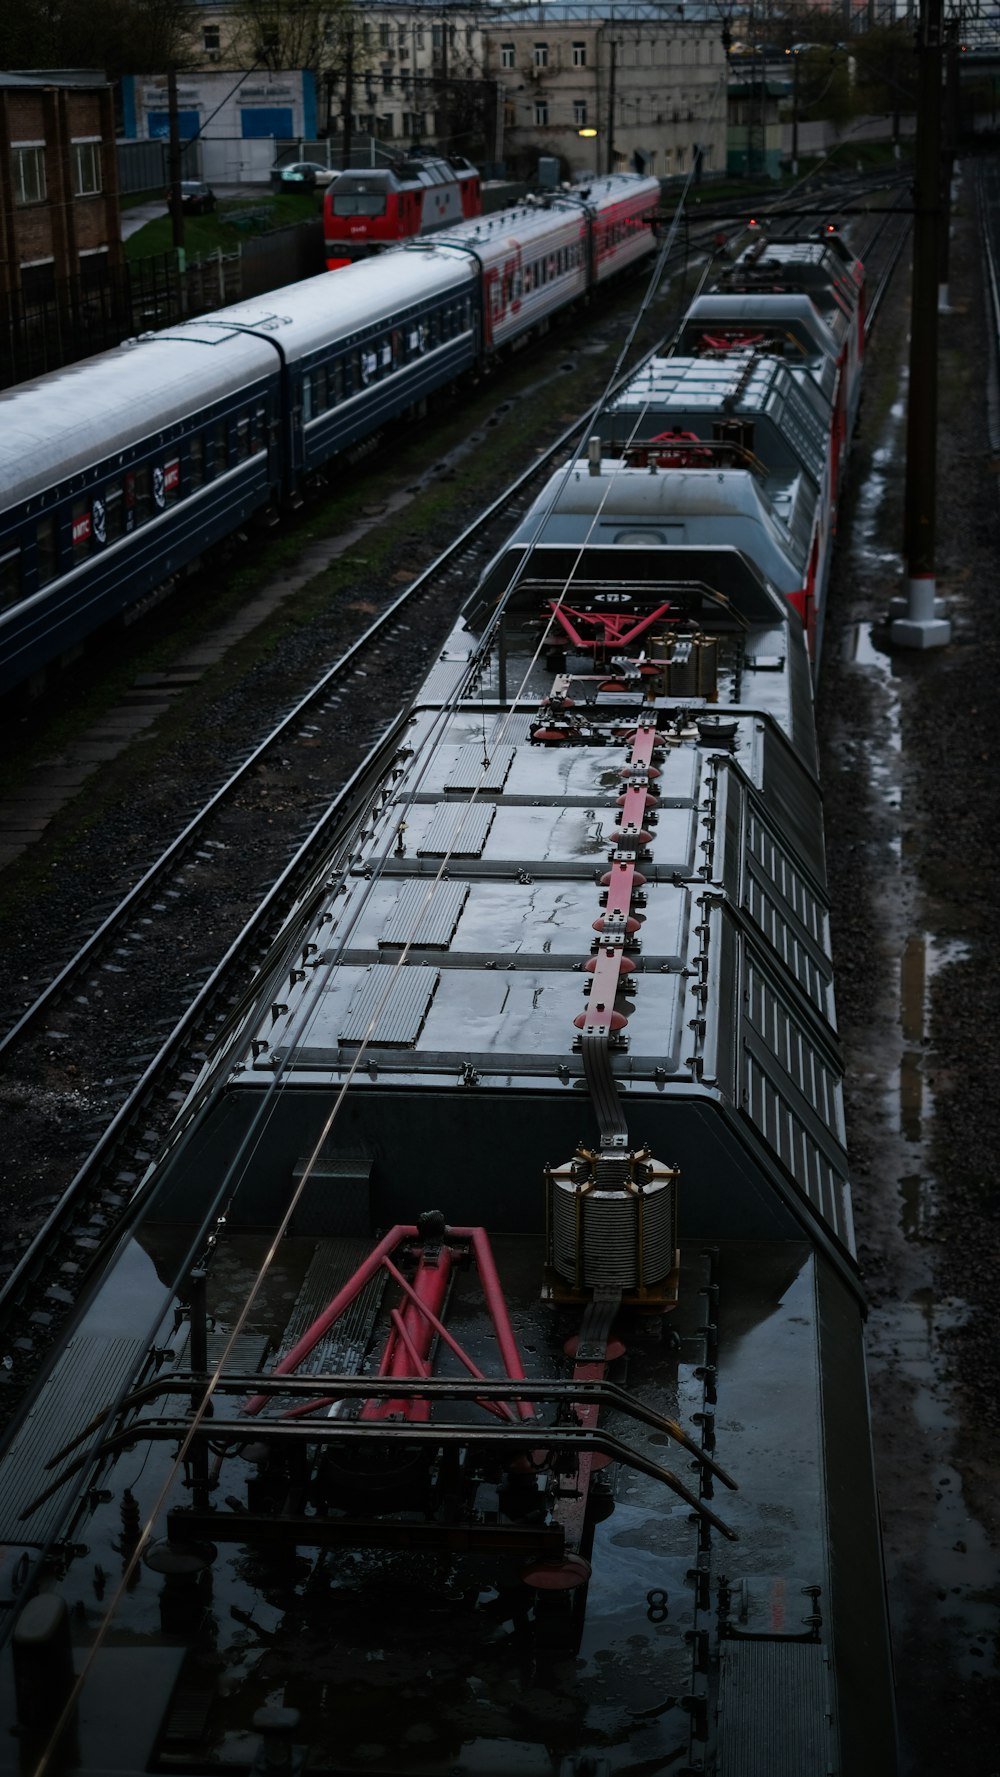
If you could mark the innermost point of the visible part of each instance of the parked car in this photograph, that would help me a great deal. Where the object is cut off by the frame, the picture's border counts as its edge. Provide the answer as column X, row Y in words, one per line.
column 309, row 173
column 197, row 198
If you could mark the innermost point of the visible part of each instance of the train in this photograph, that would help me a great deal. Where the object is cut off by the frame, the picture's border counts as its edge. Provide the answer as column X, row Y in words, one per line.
column 366, row 210
column 119, row 472
column 480, row 1387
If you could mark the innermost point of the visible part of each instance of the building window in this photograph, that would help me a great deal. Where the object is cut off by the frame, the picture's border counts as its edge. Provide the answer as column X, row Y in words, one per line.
column 386, row 78
column 28, row 170
column 437, row 37
column 212, row 38
column 579, row 112
column 383, row 36
column 541, row 111
column 506, row 55
column 38, row 281
column 401, row 36
column 541, row 55
column 86, row 168
column 579, row 55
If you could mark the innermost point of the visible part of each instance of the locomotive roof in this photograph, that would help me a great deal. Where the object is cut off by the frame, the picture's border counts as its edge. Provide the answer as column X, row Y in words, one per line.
column 809, row 267
column 779, row 312
column 452, row 946
column 431, row 171
column 725, row 514
column 790, row 415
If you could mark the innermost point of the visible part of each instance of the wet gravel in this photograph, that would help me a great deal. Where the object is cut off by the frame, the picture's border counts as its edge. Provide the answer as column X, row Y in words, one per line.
column 909, row 771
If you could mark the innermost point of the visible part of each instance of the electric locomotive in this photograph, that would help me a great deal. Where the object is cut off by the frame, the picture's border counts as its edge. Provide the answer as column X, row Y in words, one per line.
column 481, row 1387
column 367, row 209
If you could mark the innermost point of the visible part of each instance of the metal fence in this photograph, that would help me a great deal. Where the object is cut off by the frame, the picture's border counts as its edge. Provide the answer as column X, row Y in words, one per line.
column 144, row 295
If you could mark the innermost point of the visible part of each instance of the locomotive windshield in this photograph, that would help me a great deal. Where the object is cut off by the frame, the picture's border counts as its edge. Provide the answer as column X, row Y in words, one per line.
column 360, row 194
column 359, row 203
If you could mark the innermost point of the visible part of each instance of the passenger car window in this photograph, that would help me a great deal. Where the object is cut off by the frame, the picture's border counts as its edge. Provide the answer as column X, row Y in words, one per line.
column 10, row 577
column 114, row 510
column 45, row 544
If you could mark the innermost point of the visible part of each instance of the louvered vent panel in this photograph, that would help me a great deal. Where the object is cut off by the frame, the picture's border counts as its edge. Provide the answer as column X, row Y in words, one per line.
column 426, row 915
column 788, row 1042
column 513, row 727
column 88, row 1378
column 457, row 832
column 391, row 1007
column 823, row 1183
column 469, row 772
column 774, row 1710
column 815, row 979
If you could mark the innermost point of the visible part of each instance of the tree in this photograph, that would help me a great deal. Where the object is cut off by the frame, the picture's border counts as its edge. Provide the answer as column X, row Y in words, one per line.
column 287, row 33
column 886, row 69
column 118, row 36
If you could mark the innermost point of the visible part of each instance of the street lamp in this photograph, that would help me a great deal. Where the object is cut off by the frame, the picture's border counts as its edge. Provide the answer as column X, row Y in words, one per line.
column 589, row 132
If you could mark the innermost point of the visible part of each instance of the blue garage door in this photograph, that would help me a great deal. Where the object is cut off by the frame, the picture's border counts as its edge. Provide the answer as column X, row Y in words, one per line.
column 159, row 124
column 267, row 121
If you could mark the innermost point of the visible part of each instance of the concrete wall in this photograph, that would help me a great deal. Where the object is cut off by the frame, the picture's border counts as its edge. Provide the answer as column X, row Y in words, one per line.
column 819, row 138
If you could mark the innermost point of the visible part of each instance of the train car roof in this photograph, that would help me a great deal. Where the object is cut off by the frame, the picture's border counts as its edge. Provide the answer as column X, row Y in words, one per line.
column 808, row 267
column 304, row 317
column 60, row 424
column 63, row 423
column 508, row 232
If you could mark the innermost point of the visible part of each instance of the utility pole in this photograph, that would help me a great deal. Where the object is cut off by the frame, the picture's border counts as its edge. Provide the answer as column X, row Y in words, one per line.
column 613, row 46
column 174, row 166
column 916, row 621
column 795, row 115
column 948, row 145
column 348, row 109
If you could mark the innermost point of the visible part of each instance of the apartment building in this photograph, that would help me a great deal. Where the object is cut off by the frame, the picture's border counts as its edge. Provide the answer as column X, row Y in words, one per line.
column 58, row 185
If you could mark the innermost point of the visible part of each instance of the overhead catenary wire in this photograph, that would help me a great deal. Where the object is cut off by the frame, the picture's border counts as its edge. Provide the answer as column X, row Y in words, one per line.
column 375, row 866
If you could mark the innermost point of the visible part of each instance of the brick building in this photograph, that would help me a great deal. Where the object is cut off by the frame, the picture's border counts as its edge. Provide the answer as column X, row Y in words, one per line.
column 59, row 222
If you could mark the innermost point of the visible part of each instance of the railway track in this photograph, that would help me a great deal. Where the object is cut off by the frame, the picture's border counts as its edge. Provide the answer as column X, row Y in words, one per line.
column 150, row 935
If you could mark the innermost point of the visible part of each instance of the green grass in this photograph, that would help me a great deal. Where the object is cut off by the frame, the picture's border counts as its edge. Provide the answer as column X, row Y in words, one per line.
column 235, row 220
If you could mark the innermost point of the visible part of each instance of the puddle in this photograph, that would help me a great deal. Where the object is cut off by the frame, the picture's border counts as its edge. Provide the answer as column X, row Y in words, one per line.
column 884, row 755
column 961, row 1573
column 923, row 957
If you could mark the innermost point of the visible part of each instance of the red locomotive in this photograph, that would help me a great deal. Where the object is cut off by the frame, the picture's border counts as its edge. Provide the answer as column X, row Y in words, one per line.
column 368, row 209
